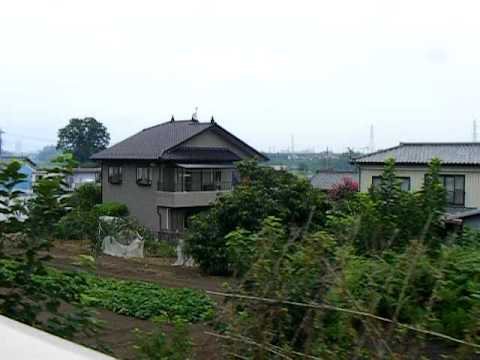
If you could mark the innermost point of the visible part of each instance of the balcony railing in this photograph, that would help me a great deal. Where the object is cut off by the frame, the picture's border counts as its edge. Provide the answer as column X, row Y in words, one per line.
column 191, row 187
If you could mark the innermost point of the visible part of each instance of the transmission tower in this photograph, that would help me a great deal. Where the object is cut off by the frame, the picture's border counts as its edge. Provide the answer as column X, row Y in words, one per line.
column 371, row 145
column 474, row 137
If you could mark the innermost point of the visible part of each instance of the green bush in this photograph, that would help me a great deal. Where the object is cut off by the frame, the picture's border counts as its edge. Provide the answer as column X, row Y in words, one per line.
column 22, row 296
column 263, row 192
column 77, row 225
column 388, row 218
column 111, row 209
column 442, row 289
column 240, row 250
column 158, row 248
column 86, row 196
column 158, row 346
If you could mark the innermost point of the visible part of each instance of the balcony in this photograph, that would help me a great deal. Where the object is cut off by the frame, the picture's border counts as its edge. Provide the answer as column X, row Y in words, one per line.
column 189, row 185
column 193, row 187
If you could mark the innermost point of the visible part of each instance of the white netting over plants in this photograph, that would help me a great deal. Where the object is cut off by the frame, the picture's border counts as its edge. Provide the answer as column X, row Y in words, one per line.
column 118, row 237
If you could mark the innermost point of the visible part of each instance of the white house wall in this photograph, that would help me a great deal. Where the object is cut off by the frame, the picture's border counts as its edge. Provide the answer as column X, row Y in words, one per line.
column 417, row 175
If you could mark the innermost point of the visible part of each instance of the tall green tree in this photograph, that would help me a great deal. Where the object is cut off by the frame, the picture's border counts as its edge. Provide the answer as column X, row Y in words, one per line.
column 83, row 138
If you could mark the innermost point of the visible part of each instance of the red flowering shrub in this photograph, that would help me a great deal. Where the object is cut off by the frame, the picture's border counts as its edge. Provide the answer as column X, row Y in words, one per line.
column 344, row 190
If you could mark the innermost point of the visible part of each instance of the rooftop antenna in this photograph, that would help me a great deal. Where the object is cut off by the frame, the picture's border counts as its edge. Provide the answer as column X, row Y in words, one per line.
column 475, row 133
column 371, row 145
column 195, row 114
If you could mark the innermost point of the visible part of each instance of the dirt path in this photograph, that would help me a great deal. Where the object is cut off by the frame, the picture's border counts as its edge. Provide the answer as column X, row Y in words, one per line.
column 158, row 270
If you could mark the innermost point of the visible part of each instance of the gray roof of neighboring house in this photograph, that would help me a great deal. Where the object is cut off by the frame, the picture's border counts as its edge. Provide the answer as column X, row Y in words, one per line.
column 154, row 142
column 423, row 153
column 325, row 180
column 462, row 213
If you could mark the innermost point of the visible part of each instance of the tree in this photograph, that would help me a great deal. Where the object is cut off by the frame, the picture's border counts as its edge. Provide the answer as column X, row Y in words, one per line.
column 263, row 192
column 83, row 138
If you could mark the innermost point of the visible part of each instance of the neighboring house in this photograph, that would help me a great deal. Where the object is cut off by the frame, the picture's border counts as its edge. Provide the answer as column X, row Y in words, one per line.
column 168, row 172
column 460, row 170
column 83, row 175
column 29, row 168
column 326, row 179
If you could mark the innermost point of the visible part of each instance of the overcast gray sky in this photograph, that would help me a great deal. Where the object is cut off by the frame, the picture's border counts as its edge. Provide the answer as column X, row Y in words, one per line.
column 321, row 70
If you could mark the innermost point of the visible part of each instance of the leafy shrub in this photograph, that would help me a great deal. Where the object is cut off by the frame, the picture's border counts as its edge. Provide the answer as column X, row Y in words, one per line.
column 49, row 203
column 132, row 298
column 111, row 209
column 157, row 248
column 434, row 289
column 441, row 290
column 263, row 192
column 24, row 292
column 146, row 300
column 158, row 346
column 86, row 196
column 343, row 190
column 388, row 217
column 240, row 249
column 281, row 268
column 77, row 225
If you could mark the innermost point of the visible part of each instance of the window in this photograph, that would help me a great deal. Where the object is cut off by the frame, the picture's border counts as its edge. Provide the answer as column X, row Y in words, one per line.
column 144, row 176
column 115, row 175
column 455, row 187
column 404, row 182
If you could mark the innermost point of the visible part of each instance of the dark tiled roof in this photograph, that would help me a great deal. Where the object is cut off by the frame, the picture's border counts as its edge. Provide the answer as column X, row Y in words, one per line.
column 201, row 154
column 154, row 142
column 150, row 143
column 325, row 180
column 423, row 153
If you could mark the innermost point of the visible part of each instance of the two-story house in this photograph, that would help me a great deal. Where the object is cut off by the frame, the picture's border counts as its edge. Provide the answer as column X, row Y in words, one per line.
column 460, row 171
column 168, row 172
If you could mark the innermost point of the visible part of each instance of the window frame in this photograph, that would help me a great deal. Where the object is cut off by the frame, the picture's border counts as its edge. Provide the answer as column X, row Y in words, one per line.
column 379, row 177
column 443, row 178
column 115, row 174
column 141, row 179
